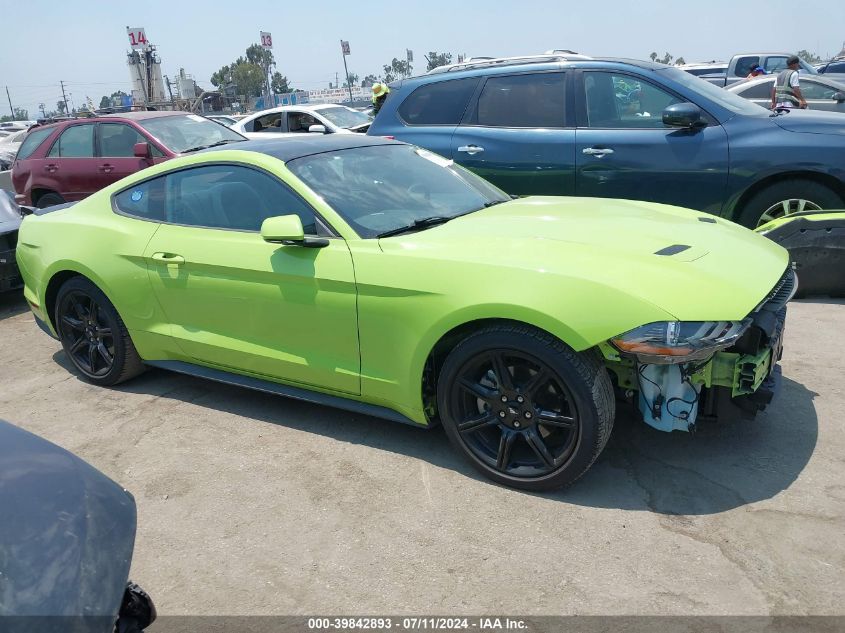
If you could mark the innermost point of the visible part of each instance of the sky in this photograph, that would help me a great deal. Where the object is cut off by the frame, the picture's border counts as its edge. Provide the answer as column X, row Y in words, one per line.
column 85, row 45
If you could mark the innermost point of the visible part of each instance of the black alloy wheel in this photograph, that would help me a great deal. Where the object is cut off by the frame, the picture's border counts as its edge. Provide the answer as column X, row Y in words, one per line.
column 526, row 409
column 87, row 337
column 93, row 335
column 515, row 414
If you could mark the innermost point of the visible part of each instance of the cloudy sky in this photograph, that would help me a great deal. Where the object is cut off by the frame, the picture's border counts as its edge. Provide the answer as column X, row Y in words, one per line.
column 85, row 44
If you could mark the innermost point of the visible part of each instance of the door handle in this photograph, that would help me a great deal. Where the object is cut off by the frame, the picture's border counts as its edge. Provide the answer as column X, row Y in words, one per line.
column 470, row 149
column 107, row 169
column 51, row 168
column 170, row 259
column 596, row 151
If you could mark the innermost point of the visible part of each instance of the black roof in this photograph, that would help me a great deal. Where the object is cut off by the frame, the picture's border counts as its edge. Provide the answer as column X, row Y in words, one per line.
column 288, row 148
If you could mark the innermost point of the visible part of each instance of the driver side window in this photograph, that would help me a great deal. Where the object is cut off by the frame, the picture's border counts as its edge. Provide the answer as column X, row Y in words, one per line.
column 301, row 121
column 231, row 197
column 624, row 101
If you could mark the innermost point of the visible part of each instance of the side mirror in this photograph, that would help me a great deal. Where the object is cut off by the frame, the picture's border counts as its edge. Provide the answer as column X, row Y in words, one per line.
column 317, row 129
column 839, row 97
column 287, row 230
column 142, row 150
column 684, row 115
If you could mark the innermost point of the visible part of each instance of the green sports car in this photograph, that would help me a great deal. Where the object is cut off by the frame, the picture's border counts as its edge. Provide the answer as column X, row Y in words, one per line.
column 375, row 276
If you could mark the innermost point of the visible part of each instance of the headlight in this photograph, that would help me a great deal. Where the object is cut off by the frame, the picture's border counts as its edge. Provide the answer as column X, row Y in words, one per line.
column 670, row 342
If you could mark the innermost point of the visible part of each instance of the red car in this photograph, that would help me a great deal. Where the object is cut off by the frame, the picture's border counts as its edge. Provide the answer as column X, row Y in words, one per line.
column 67, row 161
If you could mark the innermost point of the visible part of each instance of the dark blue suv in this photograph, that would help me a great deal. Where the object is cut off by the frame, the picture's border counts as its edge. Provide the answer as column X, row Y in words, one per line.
column 569, row 125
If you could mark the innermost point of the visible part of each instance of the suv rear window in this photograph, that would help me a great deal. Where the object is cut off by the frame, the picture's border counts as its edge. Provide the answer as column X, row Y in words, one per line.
column 533, row 100
column 441, row 103
column 32, row 141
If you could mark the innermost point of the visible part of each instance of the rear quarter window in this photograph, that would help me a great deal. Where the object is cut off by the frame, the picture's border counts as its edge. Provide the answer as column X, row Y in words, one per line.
column 441, row 103
column 144, row 200
column 32, row 142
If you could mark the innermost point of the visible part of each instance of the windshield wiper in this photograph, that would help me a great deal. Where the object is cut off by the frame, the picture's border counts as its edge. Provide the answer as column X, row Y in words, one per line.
column 418, row 225
column 217, row 144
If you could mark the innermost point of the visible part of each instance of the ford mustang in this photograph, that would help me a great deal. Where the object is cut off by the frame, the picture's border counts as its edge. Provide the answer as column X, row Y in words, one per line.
column 376, row 276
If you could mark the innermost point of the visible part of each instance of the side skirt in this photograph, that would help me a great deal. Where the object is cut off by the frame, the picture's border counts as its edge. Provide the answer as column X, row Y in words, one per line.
column 297, row 393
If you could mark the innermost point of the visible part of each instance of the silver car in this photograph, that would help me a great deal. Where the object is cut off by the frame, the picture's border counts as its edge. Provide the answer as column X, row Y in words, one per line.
column 820, row 92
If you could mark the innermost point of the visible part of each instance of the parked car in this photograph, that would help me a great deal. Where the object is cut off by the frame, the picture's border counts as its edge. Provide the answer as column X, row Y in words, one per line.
column 222, row 119
column 70, row 160
column 740, row 66
column 11, row 216
column 68, row 533
column 706, row 70
column 820, row 92
column 9, row 146
column 613, row 128
column 294, row 120
column 833, row 69
column 378, row 277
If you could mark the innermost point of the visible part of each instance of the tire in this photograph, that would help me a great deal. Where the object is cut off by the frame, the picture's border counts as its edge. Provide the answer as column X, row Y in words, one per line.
column 763, row 206
column 549, row 393
column 93, row 335
column 49, row 199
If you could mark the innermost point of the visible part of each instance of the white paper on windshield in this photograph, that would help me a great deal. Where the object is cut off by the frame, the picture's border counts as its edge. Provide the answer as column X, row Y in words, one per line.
column 437, row 159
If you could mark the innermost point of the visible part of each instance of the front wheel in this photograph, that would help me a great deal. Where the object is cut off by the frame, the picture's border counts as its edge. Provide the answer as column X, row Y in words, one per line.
column 786, row 198
column 527, row 410
column 93, row 335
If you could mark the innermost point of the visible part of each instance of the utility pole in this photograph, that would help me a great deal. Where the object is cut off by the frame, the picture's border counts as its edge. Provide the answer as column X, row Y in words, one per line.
column 64, row 98
column 344, row 48
column 14, row 118
column 43, row 113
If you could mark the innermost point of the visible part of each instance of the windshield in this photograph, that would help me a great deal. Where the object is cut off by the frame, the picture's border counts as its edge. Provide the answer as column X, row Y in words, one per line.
column 386, row 187
column 345, row 117
column 181, row 133
column 727, row 100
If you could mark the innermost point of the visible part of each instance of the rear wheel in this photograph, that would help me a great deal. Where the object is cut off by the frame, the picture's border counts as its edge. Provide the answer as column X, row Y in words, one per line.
column 527, row 410
column 93, row 335
column 785, row 198
column 49, row 199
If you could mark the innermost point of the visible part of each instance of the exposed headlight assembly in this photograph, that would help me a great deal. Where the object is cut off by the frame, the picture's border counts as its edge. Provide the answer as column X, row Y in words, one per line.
column 670, row 342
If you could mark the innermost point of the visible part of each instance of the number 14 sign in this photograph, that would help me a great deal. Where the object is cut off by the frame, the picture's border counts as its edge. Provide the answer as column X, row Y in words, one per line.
column 137, row 37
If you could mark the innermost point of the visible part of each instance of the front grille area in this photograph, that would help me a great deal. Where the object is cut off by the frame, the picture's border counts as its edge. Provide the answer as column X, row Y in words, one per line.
column 780, row 295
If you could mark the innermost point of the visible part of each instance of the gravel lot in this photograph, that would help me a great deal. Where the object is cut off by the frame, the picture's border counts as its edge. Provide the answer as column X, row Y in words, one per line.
column 254, row 504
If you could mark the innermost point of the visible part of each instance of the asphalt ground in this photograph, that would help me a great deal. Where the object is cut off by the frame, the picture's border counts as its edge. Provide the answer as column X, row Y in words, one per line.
column 250, row 503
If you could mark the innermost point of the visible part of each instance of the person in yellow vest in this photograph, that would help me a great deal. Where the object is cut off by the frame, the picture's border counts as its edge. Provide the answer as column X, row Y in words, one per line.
column 786, row 92
column 380, row 92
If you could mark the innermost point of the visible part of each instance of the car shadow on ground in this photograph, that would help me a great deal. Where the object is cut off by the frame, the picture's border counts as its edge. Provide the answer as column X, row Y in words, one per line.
column 12, row 304
column 723, row 466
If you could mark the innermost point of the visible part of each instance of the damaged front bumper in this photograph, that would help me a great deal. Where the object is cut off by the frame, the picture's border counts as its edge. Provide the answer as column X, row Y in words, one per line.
column 737, row 382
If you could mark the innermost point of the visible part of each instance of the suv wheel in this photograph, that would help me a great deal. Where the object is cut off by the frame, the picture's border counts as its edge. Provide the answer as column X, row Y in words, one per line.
column 49, row 199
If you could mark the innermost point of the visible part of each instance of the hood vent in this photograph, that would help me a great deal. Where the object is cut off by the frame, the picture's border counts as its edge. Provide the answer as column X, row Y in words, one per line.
column 672, row 250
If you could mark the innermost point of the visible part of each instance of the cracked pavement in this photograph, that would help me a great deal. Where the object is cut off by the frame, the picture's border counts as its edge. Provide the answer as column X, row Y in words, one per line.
column 253, row 504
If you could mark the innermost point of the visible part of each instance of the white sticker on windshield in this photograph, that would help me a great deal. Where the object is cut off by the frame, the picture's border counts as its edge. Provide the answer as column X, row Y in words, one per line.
column 195, row 117
column 437, row 159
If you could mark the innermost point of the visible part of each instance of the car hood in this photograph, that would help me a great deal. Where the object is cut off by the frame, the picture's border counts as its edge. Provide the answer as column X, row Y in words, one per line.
column 690, row 264
column 811, row 122
column 67, row 533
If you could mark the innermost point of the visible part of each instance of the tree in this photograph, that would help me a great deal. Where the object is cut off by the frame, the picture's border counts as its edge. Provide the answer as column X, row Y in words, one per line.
column 60, row 106
column 353, row 79
column 810, row 58
column 249, row 78
column 680, row 61
column 259, row 56
column 436, row 59
column 666, row 59
column 279, row 83
column 107, row 102
column 397, row 69
column 368, row 81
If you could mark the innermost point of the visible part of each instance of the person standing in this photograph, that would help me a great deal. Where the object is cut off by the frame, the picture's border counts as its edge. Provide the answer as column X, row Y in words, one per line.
column 380, row 92
column 786, row 92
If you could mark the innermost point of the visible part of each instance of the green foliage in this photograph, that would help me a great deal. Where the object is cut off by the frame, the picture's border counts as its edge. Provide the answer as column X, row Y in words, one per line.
column 353, row 80
column 397, row 69
column 436, row 59
column 368, row 81
column 666, row 59
column 107, row 102
column 19, row 115
column 279, row 83
column 247, row 73
column 60, row 106
column 810, row 58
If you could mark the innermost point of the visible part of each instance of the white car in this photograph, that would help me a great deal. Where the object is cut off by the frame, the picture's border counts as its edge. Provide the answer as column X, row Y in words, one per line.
column 9, row 146
column 287, row 121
